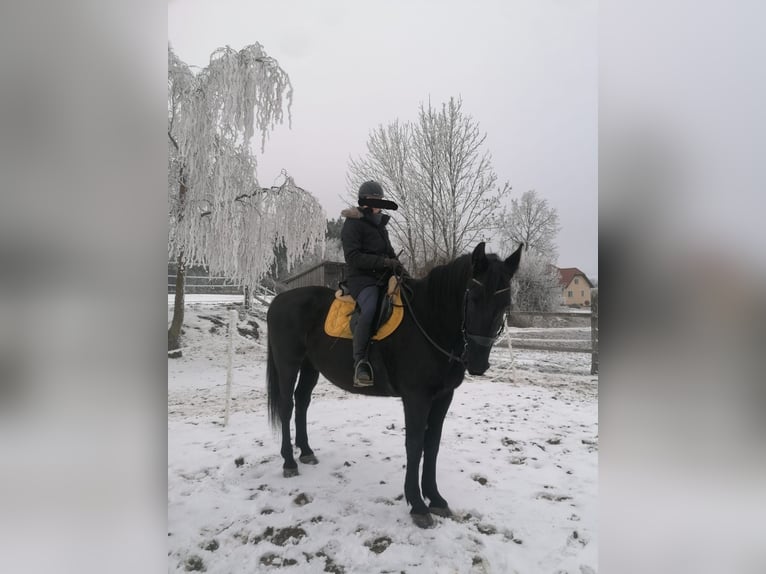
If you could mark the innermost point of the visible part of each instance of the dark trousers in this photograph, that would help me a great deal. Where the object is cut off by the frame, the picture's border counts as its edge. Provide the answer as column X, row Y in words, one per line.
column 368, row 303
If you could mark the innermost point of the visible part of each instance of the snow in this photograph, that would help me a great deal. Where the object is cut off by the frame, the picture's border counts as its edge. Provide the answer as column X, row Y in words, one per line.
column 518, row 465
column 206, row 298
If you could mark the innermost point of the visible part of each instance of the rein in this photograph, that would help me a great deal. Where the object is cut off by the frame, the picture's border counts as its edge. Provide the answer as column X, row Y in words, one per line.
column 479, row 339
column 451, row 356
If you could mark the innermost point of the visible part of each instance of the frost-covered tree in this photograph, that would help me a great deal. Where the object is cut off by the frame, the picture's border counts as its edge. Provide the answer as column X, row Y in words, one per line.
column 438, row 172
column 534, row 223
column 219, row 216
column 330, row 250
column 333, row 247
column 535, row 285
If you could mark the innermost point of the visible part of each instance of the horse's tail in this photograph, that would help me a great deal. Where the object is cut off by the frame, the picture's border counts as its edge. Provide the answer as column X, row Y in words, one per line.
column 272, row 378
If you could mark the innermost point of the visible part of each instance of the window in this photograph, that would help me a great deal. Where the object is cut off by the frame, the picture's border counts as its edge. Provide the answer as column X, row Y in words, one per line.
column 582, row 293
column 577, row 280
column 570, row 293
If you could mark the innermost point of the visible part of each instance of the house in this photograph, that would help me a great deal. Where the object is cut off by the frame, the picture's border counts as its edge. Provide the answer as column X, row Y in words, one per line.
column 575, row 287
column 326, row 274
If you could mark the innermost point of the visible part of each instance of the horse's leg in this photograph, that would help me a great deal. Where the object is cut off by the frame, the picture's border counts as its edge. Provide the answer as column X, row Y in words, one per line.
column 306, row 383
column 433, row 437
column 287, row 376
column 415, row 417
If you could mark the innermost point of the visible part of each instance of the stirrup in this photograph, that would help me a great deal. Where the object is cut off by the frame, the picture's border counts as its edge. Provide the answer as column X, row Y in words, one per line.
column 363, row 381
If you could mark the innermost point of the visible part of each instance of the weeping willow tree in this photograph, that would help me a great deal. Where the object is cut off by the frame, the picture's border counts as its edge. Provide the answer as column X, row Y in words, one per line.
column 219, row 216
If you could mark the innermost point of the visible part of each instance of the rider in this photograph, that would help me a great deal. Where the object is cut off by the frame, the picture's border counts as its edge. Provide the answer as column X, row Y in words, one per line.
column 370, row 261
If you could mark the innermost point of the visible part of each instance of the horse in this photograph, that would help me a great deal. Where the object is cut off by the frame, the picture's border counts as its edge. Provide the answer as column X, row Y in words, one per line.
column 452, row 317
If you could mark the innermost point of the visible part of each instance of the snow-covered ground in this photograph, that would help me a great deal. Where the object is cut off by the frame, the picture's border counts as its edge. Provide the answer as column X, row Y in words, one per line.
column 518, row 465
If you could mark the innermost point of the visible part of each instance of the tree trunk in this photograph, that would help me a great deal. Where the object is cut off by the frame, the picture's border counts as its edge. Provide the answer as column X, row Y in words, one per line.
column 174, row 333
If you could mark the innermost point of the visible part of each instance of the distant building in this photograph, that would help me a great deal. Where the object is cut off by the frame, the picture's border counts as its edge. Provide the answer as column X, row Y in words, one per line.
column 326, row 274
column 575, row 287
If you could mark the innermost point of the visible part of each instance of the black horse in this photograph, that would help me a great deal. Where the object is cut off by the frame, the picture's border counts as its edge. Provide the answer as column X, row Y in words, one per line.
column 452, row 317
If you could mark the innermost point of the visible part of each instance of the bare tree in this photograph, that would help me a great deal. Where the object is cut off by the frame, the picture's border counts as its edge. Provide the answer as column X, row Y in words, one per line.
column 532, row 222
column 388, row 161
column 219, row 215
column 442, row 179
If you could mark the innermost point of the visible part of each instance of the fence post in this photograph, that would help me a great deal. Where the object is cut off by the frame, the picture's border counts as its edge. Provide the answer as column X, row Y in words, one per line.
column 594, row 330
column 510, row 346
column 232, row 330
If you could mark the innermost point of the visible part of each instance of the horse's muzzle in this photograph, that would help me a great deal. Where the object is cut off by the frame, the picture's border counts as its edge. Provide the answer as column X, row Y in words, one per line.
column 473, row 371
column 476, row 356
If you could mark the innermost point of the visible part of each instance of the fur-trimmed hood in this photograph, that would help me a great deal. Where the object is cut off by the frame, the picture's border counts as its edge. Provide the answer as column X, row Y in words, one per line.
column 352, row 213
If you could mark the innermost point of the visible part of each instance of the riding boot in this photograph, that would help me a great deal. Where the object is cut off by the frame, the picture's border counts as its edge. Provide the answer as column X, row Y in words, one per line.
column 362, row 368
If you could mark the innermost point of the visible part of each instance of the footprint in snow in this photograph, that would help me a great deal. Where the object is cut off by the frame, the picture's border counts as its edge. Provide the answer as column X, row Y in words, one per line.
column 340, row 476
column 272, row 559
column 379, row 545
column 302, row 499
column 480, row 479
column 576, row 539
column 487, row 529
column 553, row 497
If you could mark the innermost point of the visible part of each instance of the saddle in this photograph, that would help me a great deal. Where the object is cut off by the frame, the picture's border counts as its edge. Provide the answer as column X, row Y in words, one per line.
column 341, row 318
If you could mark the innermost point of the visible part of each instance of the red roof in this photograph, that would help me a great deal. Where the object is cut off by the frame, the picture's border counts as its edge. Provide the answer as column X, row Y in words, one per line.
column 566, row 274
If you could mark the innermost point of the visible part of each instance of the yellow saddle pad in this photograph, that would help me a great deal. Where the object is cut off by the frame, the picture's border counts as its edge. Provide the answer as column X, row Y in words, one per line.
column 337, row 323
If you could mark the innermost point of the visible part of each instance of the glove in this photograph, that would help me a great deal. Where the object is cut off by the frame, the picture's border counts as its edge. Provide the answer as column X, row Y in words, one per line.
column 393, row 264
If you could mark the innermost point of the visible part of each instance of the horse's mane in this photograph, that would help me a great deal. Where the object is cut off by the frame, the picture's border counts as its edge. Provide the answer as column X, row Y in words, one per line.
column 449, row 278
column 444, row 281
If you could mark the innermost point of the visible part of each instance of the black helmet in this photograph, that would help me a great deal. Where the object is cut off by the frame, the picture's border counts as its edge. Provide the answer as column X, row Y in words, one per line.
column 370, row 189
column 371, row 195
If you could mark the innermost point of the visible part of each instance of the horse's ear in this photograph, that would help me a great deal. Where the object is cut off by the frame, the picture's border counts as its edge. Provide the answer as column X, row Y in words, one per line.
column 479, row 259
column 513, row 261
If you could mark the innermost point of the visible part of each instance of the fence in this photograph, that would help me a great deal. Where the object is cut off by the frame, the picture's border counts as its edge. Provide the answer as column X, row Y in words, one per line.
column 206, row 284
column 563, row 345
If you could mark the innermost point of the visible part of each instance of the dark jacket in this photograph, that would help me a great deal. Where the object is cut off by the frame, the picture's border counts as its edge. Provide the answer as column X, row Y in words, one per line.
column 365, row 246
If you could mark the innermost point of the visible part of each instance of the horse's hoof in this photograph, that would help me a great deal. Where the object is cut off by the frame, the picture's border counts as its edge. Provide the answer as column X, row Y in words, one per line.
column 288, row 472
column 444, row 511
column 308, row 459
column 423, row 520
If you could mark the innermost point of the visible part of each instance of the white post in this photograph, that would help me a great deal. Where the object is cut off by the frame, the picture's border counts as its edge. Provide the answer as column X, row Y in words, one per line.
column 232, row 330
column 594, row 330
column 510, row 348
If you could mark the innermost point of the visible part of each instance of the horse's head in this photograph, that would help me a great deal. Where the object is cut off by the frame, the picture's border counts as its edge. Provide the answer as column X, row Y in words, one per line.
column 487, row 298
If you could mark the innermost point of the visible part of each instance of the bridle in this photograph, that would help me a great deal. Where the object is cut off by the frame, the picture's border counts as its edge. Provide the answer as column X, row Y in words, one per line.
column 478, row 339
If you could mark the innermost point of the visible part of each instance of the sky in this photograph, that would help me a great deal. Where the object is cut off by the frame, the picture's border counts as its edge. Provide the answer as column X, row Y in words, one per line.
column 526, row 71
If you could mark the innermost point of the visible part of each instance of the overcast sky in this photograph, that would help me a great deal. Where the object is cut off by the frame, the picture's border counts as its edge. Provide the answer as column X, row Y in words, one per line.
column 526, row 70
